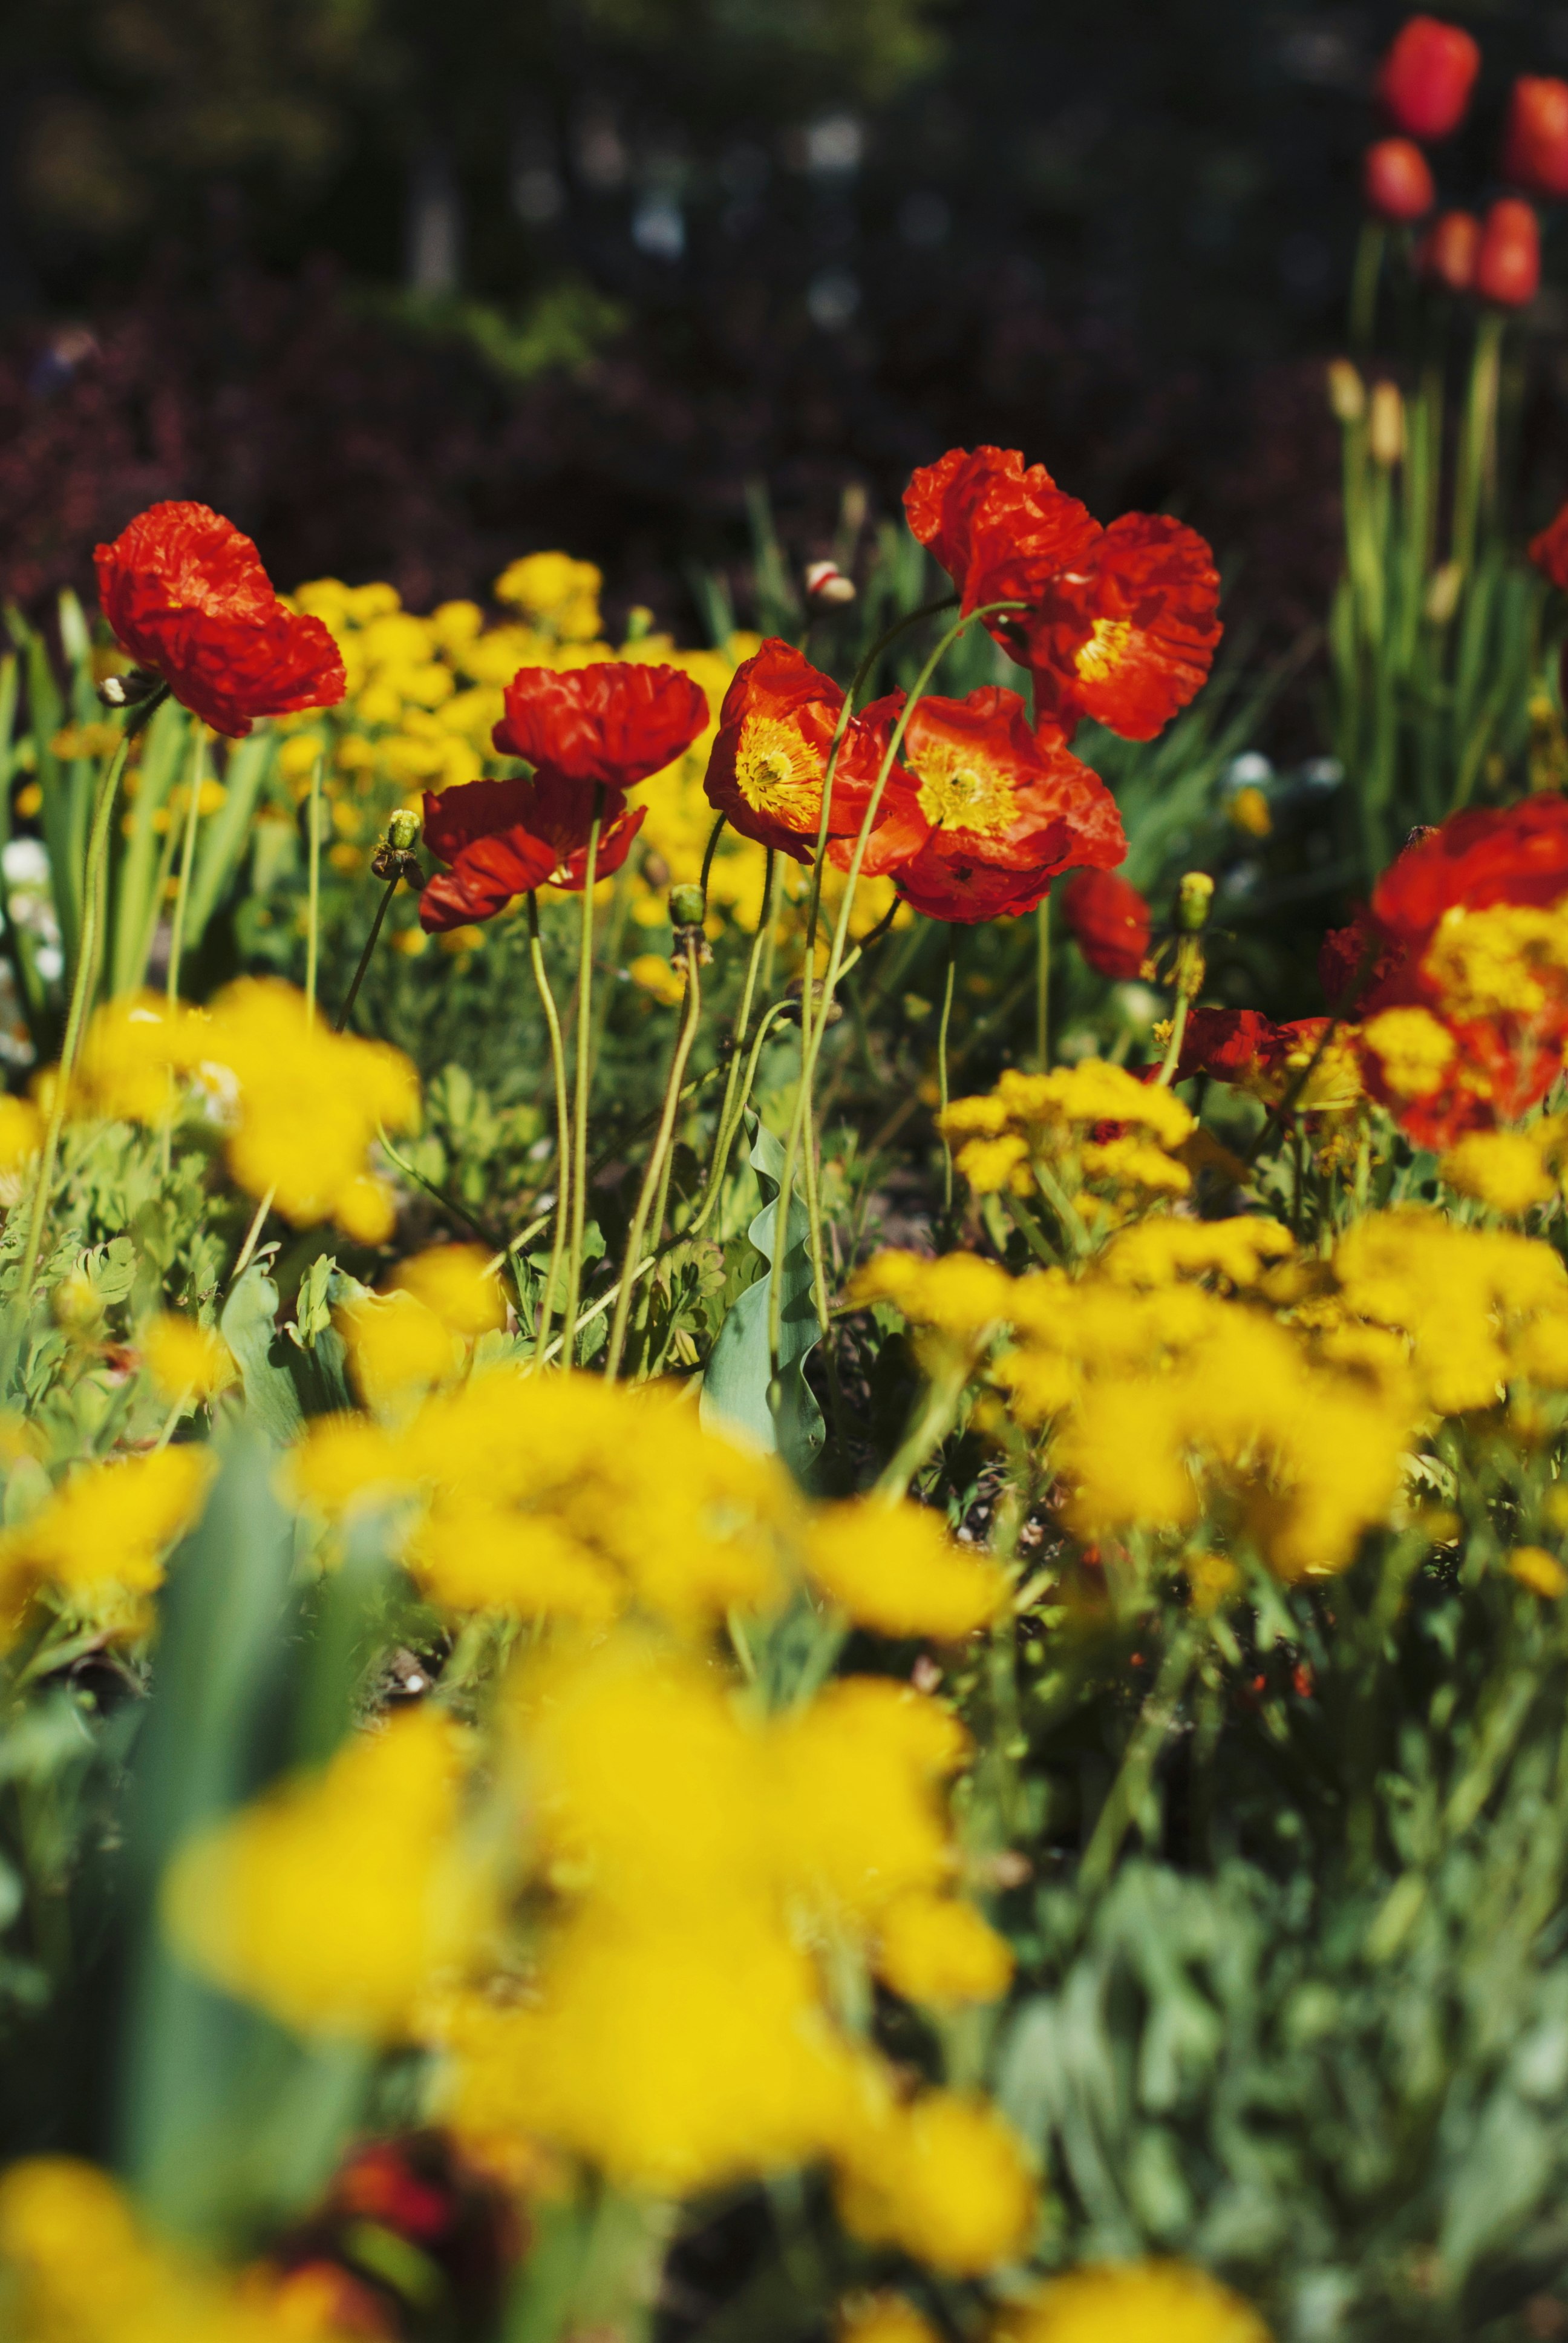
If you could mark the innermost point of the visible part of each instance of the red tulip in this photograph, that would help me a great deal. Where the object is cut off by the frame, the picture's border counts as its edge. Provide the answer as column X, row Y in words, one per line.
column 1109, row 921
column 1508, row 265
column 1427, row 76
column 1535, row 142
column 1396, row 180
column 185, row 593
column 1450, row 248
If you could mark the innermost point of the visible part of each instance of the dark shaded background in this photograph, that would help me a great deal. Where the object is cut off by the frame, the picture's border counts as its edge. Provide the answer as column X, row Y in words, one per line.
column 407, row 286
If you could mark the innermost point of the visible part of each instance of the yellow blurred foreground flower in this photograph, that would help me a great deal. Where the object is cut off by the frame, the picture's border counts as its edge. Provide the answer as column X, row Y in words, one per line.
column 101, row 1537
column 1132, row 2302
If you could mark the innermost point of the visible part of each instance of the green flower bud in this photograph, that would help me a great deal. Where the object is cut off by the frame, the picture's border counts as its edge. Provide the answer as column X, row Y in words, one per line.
column 688, row 906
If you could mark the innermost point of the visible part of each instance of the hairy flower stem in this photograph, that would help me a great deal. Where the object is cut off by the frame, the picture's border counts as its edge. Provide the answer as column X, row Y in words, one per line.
column 815, row 1014
column 715, row 1189
column 724, row 1130
column 942, row 1072
column 1172, row 1057
column 584, row 1085
column 83, row 985
column 563, row 1129
column 652, row 1175
column 252, row 1238
column 312, row 900
column 187, row 857
column 382, row 908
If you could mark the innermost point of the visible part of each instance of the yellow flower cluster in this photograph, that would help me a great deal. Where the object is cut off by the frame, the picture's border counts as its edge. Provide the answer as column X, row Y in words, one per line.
column 99, row 1541
column 1493, row 962
column 1037, row 1130
column 1132, row 2302
column 75, row 2268
column 1509, row 1171
column 301, row 1105
column 1479, row 1308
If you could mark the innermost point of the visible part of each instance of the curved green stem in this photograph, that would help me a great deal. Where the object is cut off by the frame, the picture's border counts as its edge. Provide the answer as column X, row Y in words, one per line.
column 82, row 987
column 942, row 1072
column 714, row 835
column 1172, row 1057
column 313, row 898
column 187, row 857
column 715, row 1187
column 653, row 1172
column 584, row 1083
column 722, row 1133
column 382, row 908
column 563, row 1127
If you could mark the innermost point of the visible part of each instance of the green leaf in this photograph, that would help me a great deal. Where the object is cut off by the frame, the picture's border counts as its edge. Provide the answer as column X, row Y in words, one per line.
column 735, row 1389
column 249, row 1326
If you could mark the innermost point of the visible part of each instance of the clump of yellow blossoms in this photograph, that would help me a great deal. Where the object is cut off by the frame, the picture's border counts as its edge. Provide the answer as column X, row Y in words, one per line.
column 300, row 1105
column 99, row 1541
column 185, row 1361
column 1132, row 2302
column 76, row 2269
column 1037, row 1130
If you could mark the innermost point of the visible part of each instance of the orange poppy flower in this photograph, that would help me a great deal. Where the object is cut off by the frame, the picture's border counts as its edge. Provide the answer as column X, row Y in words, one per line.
column 1001, row 533
column 770, row 757
column 614, row 723
column 1006, row 809
column 1129, row 639
column 505, row 838
column 1109, row 920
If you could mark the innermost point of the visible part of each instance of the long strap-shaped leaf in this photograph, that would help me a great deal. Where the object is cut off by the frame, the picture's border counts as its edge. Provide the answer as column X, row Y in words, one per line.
column 735, row 1387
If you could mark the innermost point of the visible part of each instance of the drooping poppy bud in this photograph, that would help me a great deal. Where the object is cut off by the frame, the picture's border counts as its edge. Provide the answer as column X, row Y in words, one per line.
column 1427, row 76
column 1508, row 264
column 1396, row 180
column 1448, row 250
column 1535, row 141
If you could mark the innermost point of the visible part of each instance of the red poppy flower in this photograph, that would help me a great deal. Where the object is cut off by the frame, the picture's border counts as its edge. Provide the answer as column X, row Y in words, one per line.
column 1508, row 262
column 1450, row 250
column 1233, row 1045
column 1007, row 809
column 614, row 723
column 1109, row 921
column 775, row 729
column 1359, row 965
column 1514, row 854
column 1549, row 551
column 1427, row 76
column 1535, row 142
column 1396, row 180
column 1129, row 639
column 186, row 595
column 1001, row 533
column 505, row 838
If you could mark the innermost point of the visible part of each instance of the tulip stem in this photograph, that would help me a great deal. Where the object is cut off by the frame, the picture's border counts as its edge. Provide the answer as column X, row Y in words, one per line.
column 1364, row 283
column 942, row 1072
column 584, row 1084
column 652, row 1174
column 1043, row 985
column 563, row 1129
column 84, row 984
column 382, row 908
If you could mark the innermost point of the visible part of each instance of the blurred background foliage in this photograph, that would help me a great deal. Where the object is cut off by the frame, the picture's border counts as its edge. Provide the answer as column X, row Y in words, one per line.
column 409, row 288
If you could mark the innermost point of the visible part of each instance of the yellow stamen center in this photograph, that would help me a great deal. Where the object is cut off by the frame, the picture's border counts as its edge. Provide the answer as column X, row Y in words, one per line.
column 778, row 772
column 1105, row 650
column 959, row 793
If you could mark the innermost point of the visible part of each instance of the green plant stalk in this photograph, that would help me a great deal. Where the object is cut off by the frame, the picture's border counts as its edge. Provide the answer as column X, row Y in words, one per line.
column 1369, row 260
column 723, row 1135
column 82, row 990
column 942, row 1072
column 563, row 1127
column 252, row 1237
column 1043, row 985
column 716, row 1179
column 836, row 957
column 382, row 908
column 654, row 1168
column 655, row 1245
column 1128, row 1792
column 1172, row 1057
column 187, row 857
column 1478, row 440
column 584, row 1087
column 313, row 898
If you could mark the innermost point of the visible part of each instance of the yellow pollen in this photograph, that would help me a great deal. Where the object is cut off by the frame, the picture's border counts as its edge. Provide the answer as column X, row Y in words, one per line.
column 778, row 772
column 1105, row 650
column 955, row 795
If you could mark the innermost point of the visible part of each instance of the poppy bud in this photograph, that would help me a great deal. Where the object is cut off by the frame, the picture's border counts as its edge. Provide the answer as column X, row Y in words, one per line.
column 1449, row 252
column 1385, row 430
column 130, row 690
column 1508, row 265
column 403, row 830
column 1535, row 141
column 688, row 906
column 825, row 582
column 1194, row 898
column 1396, row 180
column 1347, row 392
column 1427, row 76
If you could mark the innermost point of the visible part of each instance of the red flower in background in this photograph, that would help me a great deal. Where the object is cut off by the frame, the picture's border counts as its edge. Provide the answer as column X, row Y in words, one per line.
column 1007, row 809
column 186, row 595
column 1109, row 921
column 1426, row 78
column 1535, row 140
column 1001, row 533
column 613, row 722
column 770, row 758
column 1508, row 261
column 505, row 838
column 1396, row 180
column 1549, row 551
column 1486, row 854
column 1129, row 639
column 1450, row 250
